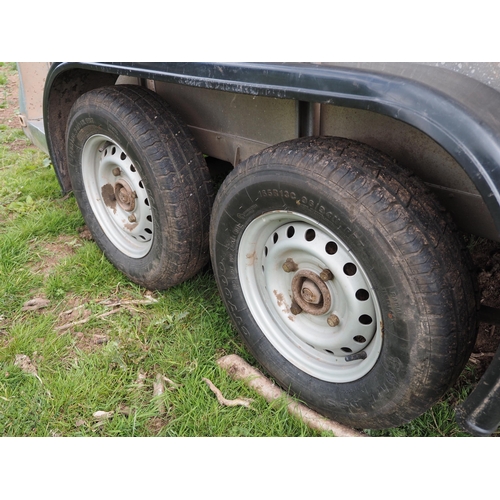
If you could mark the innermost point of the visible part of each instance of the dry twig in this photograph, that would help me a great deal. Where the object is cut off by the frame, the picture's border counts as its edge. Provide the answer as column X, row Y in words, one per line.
column 69, row 325
column 482, row 355
column 72, row 310
column 117, row 304
column 158, row 390
column 227, row 402
column 171, row 383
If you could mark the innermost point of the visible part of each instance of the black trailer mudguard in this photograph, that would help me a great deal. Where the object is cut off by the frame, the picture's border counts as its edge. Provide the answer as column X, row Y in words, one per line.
column 459, row 113
column 479, row 414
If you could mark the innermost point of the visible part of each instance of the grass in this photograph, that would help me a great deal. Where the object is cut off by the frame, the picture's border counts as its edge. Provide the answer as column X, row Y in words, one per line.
column 110, row 363
column 6, row 69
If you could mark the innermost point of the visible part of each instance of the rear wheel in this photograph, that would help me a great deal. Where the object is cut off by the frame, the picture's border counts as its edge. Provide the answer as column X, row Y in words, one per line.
column 345, row 279
column 142, row 185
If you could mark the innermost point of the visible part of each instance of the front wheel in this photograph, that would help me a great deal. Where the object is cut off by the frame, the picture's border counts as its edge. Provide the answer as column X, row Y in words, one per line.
column 344, row 279
column 141, row 183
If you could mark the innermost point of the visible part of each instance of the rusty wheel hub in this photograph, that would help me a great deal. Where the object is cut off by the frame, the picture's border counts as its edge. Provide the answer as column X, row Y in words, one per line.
column 310, row 293
column 125, row 196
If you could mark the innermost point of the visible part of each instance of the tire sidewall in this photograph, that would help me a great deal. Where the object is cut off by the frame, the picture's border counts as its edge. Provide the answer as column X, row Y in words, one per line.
column 389, row 383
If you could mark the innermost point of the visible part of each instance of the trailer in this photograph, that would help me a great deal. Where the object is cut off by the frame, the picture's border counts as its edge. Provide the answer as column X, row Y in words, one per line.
column 335, row 239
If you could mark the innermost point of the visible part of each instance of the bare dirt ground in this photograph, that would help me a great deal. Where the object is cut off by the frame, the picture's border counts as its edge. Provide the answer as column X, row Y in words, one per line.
column 485, row 253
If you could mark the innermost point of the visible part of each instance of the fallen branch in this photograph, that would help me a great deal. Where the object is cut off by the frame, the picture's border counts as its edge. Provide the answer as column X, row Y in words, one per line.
column 227, row 402
column 240, row 370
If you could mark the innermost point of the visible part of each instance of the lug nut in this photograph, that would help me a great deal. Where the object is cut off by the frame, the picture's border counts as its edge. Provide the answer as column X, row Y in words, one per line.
column 289, row 266
column 295, row 308
column 132, row 218
column 333, row 320
column 116, row 171
column 326, row 275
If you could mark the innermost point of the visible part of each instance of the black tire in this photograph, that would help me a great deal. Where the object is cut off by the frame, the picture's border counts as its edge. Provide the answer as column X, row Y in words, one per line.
column 384, row 339
column 141, row 183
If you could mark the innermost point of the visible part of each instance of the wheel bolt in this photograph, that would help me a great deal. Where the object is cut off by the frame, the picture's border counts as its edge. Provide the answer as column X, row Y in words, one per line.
column 295, row 308
column 132, row 218
column 333, row 320
column 326, row 275
column 116, row 171
column 289, row 266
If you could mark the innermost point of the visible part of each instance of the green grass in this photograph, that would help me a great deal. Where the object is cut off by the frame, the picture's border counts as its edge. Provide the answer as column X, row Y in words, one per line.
column 6, row 69
column 95, row 365
column 110, row 363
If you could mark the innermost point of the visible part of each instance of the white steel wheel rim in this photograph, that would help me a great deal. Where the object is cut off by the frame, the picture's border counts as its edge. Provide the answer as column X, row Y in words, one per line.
column 338, row 341
column 117, row 196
